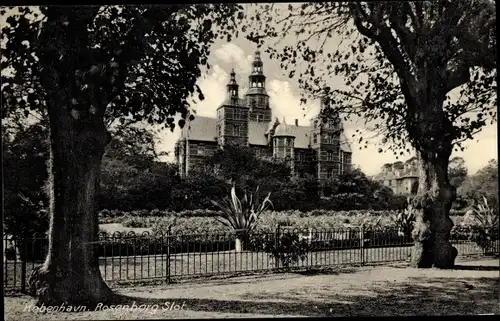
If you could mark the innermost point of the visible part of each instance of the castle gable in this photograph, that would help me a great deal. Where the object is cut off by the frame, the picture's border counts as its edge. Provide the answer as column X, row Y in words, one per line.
column 301, row 134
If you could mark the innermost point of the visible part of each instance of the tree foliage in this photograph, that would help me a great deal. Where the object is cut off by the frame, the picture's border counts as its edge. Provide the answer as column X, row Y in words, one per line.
column 483, row 183
column 140, row 62
column 385, row 54
column 457, row 171
column 239, row 164
column 25, row 155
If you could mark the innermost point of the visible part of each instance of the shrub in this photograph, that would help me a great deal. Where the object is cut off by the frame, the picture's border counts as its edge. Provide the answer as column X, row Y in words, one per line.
column 287, row 248
column 484, row 221
column 405, row 219
column 241, row 215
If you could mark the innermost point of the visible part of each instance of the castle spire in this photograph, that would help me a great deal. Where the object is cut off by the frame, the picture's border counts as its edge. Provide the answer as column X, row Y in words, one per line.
column 232, row 86
column 256, row 96
column 257, row 65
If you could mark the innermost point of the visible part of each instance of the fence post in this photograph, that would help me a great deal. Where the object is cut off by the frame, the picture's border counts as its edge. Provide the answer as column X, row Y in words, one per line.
column 23, row 265
column 362, row 244
column 276, row 246
column 169, row 236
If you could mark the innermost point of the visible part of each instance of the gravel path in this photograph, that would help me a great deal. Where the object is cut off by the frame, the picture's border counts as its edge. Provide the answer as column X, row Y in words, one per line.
column 472, row 288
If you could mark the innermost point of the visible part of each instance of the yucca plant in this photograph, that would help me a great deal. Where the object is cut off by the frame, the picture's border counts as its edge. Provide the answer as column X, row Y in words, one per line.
column 241, row 215
column 484, row 220
column 405, row 219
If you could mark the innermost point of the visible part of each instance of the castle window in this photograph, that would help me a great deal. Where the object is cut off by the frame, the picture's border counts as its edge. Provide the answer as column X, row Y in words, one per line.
column 220, row 113
column 315, row 138
column 261, row 100
column 330, row 124
column 301, row 156
column 329, row 156
column 315, row 124
column 237, row 114
column 259, row 84
column 254, row 84
column 219, row 130
column 260, row 117
column 236, row 130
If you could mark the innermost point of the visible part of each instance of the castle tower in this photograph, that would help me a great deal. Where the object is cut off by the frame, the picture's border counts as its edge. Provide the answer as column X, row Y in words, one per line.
column 232, row 117
column 284, row 144
column 325, row 141
column 257, row 98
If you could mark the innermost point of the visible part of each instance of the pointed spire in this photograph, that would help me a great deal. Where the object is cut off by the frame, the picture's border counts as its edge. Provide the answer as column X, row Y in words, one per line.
column 257, row 63
column 232, row 80
column 232, row 86
column 257, row 55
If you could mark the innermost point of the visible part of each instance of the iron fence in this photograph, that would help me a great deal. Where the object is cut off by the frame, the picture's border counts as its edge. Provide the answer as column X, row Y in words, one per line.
column 166, row 256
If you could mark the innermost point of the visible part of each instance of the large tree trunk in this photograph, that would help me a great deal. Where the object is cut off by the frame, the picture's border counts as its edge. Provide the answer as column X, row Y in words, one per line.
column 70, row 274
column 433, row 224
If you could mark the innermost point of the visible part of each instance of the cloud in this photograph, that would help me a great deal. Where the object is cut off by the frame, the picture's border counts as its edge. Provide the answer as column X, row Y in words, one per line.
column 285, row 102
column 214, row 90
column 232, row 55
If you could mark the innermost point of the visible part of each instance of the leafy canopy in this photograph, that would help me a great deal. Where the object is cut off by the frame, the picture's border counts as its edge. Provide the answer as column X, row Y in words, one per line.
column 137, row 62
column 395, row 59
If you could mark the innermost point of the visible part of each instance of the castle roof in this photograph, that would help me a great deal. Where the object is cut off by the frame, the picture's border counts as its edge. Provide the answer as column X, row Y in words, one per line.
column 283, row 130
column 398, row 170
column 204, row 129
column 201, row 129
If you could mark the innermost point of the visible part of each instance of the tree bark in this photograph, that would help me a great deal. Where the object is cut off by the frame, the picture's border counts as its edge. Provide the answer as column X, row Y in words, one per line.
column 70, row 274
column 433, row 224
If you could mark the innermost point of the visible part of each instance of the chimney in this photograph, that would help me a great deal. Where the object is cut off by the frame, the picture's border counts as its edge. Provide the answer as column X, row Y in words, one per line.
column 296, row 122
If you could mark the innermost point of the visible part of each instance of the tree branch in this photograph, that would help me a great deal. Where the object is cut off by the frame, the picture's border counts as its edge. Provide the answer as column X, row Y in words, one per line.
column 389, row 46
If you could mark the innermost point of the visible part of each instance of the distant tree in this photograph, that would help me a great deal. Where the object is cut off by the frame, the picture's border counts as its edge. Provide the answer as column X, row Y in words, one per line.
column 354, row 181
column 457, row 171
column 81, row 63
column 354, row 190
column 483, row 183
column 403, row 63
column 25, row 153
column 239, row 163
column 132, row 177
column 383, row 196
column 200, row 187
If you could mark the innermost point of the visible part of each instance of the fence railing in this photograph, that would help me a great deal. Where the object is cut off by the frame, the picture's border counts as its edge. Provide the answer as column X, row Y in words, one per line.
column 166, row 256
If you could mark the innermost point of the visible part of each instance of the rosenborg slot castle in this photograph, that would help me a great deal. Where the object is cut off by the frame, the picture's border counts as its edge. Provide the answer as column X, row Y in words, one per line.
column 321, row 149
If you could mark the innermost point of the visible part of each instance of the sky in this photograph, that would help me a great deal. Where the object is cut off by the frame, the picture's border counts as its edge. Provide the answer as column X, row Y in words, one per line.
column 285, row 102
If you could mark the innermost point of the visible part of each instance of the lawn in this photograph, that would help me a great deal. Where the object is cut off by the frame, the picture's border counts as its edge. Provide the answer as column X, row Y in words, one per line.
column 472, row 288
column 155, row 267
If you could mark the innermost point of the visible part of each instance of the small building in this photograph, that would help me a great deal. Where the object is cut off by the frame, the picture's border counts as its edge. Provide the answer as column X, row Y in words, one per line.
column 400, row 177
